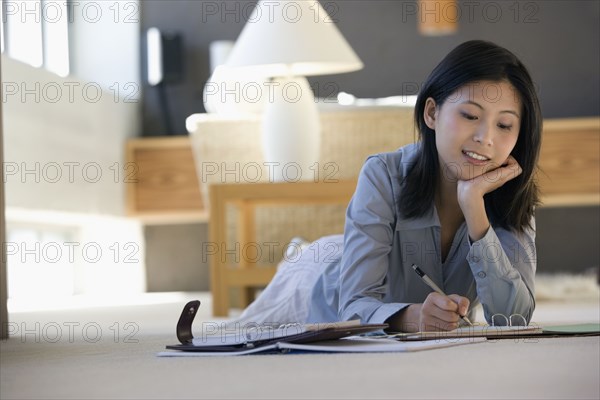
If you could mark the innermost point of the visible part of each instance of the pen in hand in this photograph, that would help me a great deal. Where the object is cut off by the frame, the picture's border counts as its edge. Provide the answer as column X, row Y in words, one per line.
column 436, row 288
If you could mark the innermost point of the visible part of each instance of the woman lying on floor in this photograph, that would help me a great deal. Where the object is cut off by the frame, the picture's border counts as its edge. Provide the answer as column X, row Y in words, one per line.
column 459, row 204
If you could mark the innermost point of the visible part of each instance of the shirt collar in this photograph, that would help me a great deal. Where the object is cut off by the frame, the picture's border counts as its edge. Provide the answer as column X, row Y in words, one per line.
column 429, row 220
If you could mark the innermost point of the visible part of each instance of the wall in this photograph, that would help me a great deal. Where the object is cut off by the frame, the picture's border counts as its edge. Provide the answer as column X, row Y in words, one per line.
column 557, row 250
column 104, row 41
column 64, row 137
column 3, row 285
column 557, row 40
column 64, row 141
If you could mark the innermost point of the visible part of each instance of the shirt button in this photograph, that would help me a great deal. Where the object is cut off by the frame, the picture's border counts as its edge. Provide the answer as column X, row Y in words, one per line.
column 481, row 274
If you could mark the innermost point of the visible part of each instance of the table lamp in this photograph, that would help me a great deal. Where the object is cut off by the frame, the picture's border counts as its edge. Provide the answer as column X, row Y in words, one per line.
column 287, row 41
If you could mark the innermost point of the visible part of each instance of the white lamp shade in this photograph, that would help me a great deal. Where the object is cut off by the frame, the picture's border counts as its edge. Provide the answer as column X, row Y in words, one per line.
column 292, row 38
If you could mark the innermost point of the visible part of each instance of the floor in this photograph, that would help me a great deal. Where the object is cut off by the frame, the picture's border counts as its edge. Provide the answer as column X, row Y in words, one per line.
column 109, row 352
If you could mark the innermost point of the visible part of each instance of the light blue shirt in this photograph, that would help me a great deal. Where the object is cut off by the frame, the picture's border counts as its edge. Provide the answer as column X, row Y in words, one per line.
column 374, row 278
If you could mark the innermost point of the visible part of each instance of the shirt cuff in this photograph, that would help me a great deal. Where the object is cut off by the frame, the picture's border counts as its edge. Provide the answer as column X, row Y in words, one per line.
column 385, row 311
column 485, row 257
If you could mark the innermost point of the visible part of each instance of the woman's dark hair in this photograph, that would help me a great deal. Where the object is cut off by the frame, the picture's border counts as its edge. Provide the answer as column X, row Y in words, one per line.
column 512, row 205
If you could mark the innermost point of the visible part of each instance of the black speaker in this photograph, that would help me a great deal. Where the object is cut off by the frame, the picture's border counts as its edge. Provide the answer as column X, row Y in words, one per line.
column 164, row 57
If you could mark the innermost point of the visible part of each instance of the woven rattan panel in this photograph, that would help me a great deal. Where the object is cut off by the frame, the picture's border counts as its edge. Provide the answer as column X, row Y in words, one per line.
column 229, row 151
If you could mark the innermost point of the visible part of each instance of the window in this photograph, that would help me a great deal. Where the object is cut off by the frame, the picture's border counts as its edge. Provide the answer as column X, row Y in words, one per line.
column 56, row 37
column 36, row 267
column 37, row 33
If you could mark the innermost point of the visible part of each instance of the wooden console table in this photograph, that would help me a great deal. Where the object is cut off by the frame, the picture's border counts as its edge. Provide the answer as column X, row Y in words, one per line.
column 164, row 195
column 162, row 184
column 246, row 198
column 570, row 162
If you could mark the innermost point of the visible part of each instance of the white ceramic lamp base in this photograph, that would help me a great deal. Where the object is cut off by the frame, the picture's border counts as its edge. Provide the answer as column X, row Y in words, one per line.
column 291, row 131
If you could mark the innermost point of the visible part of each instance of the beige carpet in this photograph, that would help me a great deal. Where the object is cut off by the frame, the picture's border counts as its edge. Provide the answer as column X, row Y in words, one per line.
column 109, row 352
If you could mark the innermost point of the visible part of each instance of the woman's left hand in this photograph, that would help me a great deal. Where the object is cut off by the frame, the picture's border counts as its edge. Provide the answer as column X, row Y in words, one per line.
column 476, row 188
column 470, row 195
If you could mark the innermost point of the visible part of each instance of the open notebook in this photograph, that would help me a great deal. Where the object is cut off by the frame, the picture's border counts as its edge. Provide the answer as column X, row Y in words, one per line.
column 503, row 332
column 254, row 337
column 487, row 331
column 353, row 344
column 263, row 334
column 334, row 337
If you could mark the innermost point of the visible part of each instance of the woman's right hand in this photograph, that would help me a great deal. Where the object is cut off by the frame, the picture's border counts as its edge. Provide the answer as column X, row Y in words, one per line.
column 442, row 313
column 437, row 313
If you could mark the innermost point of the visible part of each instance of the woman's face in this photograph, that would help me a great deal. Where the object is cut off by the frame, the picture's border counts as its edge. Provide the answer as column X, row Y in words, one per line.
column 476, row 128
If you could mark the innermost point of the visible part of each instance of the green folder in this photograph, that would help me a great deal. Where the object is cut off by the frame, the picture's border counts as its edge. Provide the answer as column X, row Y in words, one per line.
column 575, row 330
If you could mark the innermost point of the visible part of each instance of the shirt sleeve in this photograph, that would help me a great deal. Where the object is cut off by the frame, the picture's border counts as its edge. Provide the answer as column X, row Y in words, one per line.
column 368, row 234
column 503, row 265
